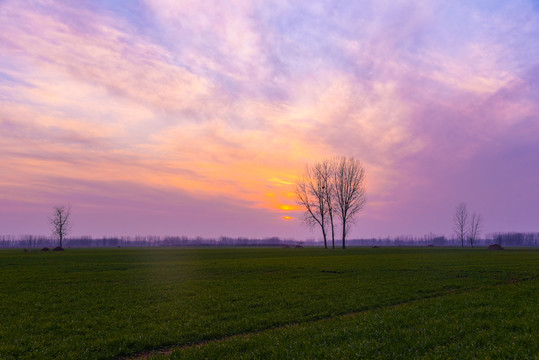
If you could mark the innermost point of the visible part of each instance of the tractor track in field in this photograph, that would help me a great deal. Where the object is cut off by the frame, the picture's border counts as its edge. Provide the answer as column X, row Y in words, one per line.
column 169, row 350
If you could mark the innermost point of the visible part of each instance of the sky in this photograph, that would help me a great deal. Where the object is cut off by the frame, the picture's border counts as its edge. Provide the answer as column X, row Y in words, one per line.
column 195, row 118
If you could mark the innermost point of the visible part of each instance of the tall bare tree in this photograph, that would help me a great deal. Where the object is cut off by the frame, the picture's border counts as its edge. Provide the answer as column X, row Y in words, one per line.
column 326, row 170
column 60, row 222
column 349, row 191
column 311, row 194
column 475, row 227
column 460, row 222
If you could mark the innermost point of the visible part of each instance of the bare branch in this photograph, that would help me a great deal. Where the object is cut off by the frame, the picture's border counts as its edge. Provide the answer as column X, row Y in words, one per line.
column 310, row 192
column 326, row 169
column 460, row 222
column 475, row 228
column 60, row 222
column 332, row 188
column 350, row 193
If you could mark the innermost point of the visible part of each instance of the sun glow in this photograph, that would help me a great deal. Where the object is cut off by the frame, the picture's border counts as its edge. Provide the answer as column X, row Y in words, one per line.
column 288, row 217
column 287, row 207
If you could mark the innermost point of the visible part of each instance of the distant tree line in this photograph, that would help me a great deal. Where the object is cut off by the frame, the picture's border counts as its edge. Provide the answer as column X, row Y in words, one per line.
column 31, row 241
column 515, row 239
column 328, row 190
column 505, row 239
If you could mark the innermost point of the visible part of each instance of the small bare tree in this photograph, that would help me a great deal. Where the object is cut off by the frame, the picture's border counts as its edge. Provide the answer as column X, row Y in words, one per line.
column 460, row 222
column 475, row 228
column 60, row 222
column 311, row 194
column 349, row 191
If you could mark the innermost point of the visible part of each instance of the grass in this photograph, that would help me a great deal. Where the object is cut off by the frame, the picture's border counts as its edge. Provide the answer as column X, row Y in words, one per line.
column 269, row 303
column 496, row 322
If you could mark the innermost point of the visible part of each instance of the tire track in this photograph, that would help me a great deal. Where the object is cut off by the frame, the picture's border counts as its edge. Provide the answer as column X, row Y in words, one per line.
column 169, row 350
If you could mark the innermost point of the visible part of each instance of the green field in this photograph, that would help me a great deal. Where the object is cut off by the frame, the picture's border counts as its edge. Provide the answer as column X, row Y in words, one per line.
column 250, row 303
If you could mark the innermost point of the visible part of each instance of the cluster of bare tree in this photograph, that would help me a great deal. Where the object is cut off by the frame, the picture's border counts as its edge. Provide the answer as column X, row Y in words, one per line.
column 466, row 226
column 332, row 189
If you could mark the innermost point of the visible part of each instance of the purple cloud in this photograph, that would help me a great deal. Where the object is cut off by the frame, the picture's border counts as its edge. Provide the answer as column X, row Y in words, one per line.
column 157, row 110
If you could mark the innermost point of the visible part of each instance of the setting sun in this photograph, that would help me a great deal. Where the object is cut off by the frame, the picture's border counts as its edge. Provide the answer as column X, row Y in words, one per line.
column 287, row 207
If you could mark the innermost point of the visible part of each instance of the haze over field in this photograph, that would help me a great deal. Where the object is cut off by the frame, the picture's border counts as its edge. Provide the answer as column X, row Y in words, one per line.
column 196, row 117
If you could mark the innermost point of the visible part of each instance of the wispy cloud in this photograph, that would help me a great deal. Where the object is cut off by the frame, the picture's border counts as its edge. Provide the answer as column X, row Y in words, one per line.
column 229, row 101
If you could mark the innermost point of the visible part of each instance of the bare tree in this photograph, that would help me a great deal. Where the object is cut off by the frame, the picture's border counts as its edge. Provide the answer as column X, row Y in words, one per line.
column 460, row 222
column 311, row 194
column 326, row 170
column 475, row 228
column 60, row 222
column 349, row 191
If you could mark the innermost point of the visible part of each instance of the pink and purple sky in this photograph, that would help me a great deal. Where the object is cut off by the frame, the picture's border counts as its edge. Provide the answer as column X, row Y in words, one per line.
column 195, row 117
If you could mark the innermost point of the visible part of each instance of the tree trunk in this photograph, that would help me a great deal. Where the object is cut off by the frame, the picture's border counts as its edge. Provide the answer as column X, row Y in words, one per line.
column 332, row 231
column 344, row 235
